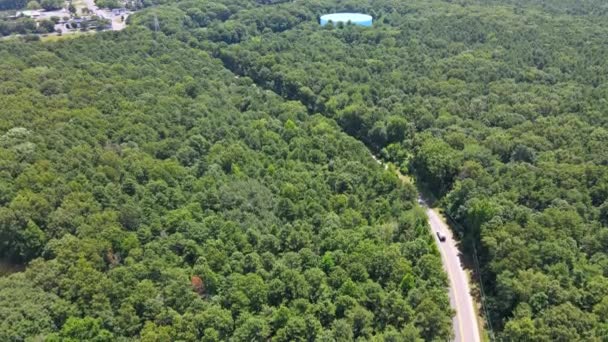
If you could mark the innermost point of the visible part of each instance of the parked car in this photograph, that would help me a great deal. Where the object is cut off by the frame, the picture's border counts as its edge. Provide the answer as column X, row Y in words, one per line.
column 441, row 237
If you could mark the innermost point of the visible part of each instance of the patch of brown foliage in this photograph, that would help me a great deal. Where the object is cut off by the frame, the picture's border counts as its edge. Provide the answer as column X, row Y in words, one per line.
column 197, row 285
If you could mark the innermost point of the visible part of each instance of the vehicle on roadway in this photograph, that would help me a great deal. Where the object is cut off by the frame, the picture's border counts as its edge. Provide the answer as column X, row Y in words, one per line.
column 441, row 237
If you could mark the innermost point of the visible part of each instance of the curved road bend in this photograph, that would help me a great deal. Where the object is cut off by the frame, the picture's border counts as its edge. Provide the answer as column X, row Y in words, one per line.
column 465, row 321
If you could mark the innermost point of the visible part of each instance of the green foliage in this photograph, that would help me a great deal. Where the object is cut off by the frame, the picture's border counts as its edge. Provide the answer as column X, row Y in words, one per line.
column 50, row 5
column 108, row 3
column 19, row 26
column 33, row 5
column 155, row 196
column 12, row 4
column 495, row 105
column 129, row 172
column 85, row 329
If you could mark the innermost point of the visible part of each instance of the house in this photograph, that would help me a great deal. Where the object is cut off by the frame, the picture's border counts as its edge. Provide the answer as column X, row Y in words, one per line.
column 28, row 14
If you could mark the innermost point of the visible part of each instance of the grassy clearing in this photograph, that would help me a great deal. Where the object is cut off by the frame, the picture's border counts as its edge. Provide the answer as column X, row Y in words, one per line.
column 54, row 38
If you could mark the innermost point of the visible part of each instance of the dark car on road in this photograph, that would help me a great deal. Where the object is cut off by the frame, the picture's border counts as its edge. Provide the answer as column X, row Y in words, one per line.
column 441, row 237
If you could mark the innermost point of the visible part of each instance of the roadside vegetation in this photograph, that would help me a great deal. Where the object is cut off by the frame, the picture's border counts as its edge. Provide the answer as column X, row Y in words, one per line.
column 197, row 177
column 499, row 108
column 156, row 196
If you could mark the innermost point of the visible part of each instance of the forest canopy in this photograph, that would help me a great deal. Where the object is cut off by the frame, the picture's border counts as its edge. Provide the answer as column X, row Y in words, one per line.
column 498, row 107
column 198, row 175
column 157, row 196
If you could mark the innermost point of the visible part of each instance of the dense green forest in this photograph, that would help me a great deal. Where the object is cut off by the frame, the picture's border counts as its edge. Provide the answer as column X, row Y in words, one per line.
column 193, row 177
column 25, row 26
column 499, row 107
column 155, row 195
column 572, row 7
column 12, row 4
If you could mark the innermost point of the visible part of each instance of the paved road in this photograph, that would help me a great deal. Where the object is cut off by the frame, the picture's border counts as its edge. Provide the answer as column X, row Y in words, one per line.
column 465, row 321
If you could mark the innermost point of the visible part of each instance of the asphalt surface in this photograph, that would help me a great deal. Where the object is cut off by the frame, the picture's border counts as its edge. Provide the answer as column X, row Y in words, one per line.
column 465, row 321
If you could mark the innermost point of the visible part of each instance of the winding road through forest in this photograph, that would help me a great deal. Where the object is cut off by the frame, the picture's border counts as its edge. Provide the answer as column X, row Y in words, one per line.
column 465, row 323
